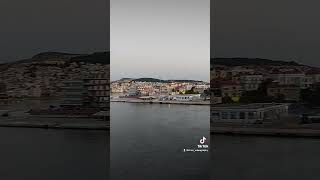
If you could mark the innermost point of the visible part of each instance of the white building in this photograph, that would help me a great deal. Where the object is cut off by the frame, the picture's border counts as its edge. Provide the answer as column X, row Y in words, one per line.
column 249, row 113
column 187, row 97
column 133, row 90
column 251, row 82
column 181, row 97
column 292, row 77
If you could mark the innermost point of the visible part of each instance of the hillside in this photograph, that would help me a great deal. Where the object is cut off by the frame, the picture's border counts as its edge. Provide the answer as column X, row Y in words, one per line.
column 97, row 57
column 44, row 74
column 164, row 81
column 251, row 62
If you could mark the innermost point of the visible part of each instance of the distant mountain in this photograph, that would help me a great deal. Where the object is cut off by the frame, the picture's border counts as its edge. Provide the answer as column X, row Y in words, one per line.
column 163, row 81
column 125, row 79
column 97, row 57
column 148, row 80
column 252, row 62
column 53, row 55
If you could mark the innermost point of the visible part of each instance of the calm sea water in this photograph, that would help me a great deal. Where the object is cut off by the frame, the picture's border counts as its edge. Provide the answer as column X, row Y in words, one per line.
column 264, row 158
column 39, row 154
column 147, row 141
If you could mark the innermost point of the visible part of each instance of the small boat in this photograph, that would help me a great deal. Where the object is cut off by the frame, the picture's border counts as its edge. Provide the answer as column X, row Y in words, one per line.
column 4, row 113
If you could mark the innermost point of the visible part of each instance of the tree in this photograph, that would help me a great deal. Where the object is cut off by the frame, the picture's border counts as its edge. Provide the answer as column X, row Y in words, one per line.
column 254, row 97
column 191, row 91
column 227, row 100
column 264, row 87
column 260, row 95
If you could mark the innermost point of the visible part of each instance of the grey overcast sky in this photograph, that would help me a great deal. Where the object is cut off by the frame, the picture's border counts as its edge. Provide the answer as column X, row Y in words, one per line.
column 276, row 29
column 33, row 26
column 167, row 39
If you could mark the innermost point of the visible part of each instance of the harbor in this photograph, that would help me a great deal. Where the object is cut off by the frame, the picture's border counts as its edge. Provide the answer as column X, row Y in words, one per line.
column 264, row 131
column 132, row 100
column 38, row 114
column 55, row 123
column 264, row 119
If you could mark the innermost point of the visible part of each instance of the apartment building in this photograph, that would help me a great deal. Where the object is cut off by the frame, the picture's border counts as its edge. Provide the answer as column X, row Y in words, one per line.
column 97, row 90
column 250, row 82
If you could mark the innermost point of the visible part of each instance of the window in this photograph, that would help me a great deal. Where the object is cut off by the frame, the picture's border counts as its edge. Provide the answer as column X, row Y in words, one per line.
column 242, row 115
column 215, row 115
column 251, row 115
column 233, row 115
column 224, row 115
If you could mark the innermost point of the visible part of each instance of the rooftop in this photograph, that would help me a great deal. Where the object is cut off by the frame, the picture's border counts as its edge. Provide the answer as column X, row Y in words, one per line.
column 247, row 106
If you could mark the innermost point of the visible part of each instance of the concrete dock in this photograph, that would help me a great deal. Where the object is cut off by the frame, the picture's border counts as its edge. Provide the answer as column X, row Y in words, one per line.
column 55, row 123
column 266, row 131
column 128, row 100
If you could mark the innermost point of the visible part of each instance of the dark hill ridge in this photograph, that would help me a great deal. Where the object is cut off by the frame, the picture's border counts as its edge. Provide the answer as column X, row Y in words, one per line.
column 163, row 81
column 52, row 55
column 97, row 57
column 252, row 62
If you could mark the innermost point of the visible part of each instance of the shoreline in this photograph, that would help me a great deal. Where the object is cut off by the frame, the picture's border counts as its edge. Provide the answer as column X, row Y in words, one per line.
column 161, row 102
column 267, row 132
column 53, row 123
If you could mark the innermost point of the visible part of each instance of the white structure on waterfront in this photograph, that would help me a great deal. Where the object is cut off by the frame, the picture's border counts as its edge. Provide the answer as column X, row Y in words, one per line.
column 249, row 113
column 181, row 97
column 187, row 97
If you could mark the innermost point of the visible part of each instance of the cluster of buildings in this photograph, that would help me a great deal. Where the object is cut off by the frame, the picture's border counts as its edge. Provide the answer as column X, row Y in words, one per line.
column 284, row 81
column 178, row 91
column 81, row 85
column 45, row 78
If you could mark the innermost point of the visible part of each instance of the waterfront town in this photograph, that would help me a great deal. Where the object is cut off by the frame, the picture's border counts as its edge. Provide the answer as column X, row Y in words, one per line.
column 80, row 84
column 265, row 98
column 161, row 91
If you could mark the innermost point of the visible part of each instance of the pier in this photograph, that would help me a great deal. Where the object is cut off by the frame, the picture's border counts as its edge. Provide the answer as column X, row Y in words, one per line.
column 161, row 102
column 266, row 131
column 55, row 123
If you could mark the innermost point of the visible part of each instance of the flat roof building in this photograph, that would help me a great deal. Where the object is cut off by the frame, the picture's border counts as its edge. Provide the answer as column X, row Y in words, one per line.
column 248, row 113
column 98, row 90
column 74, row 92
